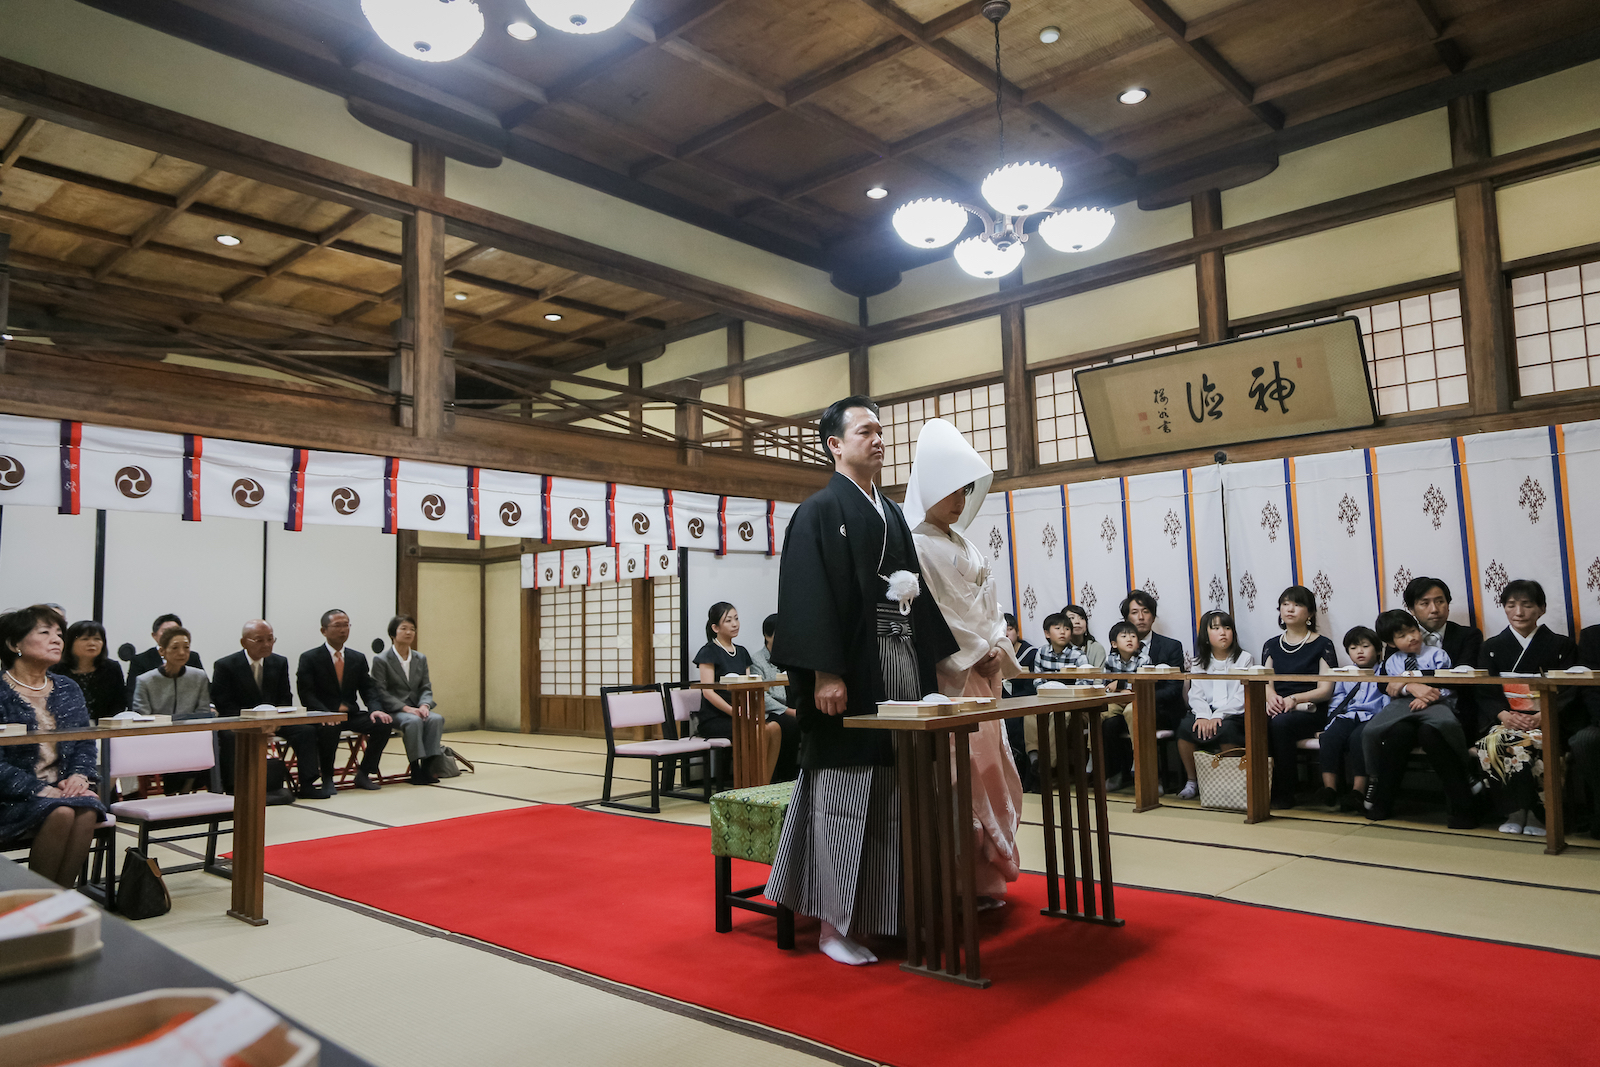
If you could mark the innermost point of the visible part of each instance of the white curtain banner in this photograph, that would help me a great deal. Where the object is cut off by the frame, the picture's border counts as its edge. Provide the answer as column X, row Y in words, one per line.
column 741, row 525
column 603, row 564
column 694, row 519
column 637, row 515
column 1039, row 555
column 344, row 489
column 990, row 530
column 529, row 570
column 1099, row 554
column 1260, row 547
column 576, row 509
column 131, row 470
column 431, row 496
column 782, row 514
column 1336, row 539
column 1515, row 497
column 575, row 566
column 510, row 504
column 1419, row 511
column 30, row 461
column 633, row 561
column 547, row 570
column 1160, row 554
column 1210, row 548
column 239, row 480
column 1580, row 461
column 661, row 562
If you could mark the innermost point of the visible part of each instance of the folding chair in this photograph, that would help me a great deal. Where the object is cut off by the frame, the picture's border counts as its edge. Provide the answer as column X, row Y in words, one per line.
column 625, row 706
column 685, row 702
column 172, row 754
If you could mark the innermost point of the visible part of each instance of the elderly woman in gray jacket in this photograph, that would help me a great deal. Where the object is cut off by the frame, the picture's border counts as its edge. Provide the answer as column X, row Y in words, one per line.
column 179, row 690
column 401, row 675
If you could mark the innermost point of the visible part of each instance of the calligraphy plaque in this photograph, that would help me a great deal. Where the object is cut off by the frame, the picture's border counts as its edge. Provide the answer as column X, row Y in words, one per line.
column 1310, row 379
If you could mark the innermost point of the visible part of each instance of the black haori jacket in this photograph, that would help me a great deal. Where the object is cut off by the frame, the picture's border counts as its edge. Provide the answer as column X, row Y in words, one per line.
column 828, row 591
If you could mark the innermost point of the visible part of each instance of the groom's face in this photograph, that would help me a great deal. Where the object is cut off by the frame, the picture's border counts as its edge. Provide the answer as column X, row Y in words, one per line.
column 860, row 443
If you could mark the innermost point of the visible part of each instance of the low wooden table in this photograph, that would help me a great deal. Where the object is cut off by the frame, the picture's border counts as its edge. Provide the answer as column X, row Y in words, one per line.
column 1258, row 783
column 749, row 728
column 250, row 788
column 936, row 798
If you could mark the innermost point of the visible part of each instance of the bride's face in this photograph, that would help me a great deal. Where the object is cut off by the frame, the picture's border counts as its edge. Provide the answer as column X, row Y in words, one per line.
column 947, row 512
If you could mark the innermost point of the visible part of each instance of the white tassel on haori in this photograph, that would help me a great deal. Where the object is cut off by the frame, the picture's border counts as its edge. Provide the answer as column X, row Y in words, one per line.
column 904, row 587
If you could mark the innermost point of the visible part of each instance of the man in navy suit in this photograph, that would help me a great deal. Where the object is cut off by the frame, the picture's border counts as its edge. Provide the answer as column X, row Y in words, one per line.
column 330, row 678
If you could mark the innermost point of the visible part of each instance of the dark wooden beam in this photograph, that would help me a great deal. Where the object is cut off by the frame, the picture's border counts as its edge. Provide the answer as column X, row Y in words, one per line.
column 1167, row 21
column 860, row 372
column 1485, row 316
column 421, row 355
column 182, row 201
column 17, row 144
column 1211, row 279
column 1021, row 420
column 735, row 361
column 5, row 294
column 1449, row 52
column 530, row 673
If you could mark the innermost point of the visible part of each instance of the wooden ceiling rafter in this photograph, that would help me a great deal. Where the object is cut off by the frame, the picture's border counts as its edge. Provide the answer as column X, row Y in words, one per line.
column 327, row 237
column 18, row 143
column 1449, row 52
column 1201, row 52
column 182, row 201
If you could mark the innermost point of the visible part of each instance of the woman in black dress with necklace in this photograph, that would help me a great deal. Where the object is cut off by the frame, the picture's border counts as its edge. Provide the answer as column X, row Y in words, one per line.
column 720, row 656
column 97, row 674
column 1295, row 710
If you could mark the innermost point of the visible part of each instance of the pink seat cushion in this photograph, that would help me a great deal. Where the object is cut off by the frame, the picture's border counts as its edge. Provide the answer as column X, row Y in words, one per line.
column 1162, row 735
column 1310, row 744
column 183, row 806
column 664, row 748
column 716, row 742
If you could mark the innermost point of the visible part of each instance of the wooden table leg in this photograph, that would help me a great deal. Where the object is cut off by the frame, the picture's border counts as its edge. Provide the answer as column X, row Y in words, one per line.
column 1102, row 829
column 1257, row 749
column 1555, row 819
column 1146, row 767
column 1047, row 791
column 910, row 853
column 1073, row 728
column 249, row 826
column 967, row 855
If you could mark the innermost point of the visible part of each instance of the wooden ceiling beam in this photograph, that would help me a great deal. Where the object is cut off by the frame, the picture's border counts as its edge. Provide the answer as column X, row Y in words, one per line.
column 1242, row 13
column 1449, row 51
column 17, row 144
column 324, row 239
column 184, row 199
column 1201, row 52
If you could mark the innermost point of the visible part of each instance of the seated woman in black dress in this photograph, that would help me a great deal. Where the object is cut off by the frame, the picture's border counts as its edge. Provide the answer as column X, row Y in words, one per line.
column 720, row 656
column 46, row 789
column 1295, row 710
column 99, row 676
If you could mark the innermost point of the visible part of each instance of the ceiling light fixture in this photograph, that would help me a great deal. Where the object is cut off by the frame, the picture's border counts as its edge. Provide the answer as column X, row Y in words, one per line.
column 1134, row 95
column 877, row 192
column 522, row 31
column 461, row 296
column 579, row 16
column 552, row 317
column 227, row 239
column 434, row 31
column 1050, row 34
column 1013, row 192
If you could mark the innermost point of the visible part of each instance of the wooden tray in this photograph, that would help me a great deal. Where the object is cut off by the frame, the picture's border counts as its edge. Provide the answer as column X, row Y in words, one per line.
column 83, row 1032
column 57, row 945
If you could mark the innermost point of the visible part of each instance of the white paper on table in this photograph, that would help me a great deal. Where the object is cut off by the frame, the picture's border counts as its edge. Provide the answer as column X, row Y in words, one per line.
column 204, row 1041
column 41, row 913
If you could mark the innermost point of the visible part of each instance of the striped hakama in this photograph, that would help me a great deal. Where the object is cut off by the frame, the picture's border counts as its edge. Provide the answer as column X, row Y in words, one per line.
column 839, row 857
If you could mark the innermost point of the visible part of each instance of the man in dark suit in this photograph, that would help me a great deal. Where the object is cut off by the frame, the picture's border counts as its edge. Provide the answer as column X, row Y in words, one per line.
column 1140, row 609
column 256, row 675
column 1428, row 599
column 150, row 658
column 330, row 678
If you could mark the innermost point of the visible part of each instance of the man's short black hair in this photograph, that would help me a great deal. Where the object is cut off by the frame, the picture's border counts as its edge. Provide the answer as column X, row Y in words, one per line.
column 1417, row 588
column 832, row 422
column 1524, row 587
column 769, row 625
column 162, row 620
column 1140, row 597
column 1120, row 628
column 1055, row 618
column 327, row 617
column 1357, row 634
column 1393, row 623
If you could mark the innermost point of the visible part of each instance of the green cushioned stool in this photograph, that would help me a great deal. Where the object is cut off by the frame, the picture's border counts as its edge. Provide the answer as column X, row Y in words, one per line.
column 746, row 824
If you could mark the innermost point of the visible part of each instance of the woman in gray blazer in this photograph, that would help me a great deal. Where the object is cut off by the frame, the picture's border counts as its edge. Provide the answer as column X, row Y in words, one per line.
column 406, row 691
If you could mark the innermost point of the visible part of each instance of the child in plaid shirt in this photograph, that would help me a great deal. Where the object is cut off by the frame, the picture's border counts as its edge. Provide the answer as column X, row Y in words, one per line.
column 1058, row 650
column 1126, row 657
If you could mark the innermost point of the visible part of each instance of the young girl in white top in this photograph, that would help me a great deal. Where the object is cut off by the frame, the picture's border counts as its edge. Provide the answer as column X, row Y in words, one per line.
column 1216, row 708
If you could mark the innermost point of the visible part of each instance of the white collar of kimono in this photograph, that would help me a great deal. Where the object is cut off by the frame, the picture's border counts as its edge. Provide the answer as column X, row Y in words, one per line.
column 945, row 462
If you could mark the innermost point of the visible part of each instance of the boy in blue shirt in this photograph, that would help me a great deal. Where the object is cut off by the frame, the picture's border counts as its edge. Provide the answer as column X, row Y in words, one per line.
column 1353, row 704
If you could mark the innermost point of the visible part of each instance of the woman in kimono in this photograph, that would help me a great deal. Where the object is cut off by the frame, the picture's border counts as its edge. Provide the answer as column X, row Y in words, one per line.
column 948, row 483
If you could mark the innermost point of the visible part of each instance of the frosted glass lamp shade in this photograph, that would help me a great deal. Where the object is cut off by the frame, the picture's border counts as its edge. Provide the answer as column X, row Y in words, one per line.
column 982, row 258
column 580, row 16
column 1020, row 188
column 434, row 31
column 1077, row 230
column 929, row 223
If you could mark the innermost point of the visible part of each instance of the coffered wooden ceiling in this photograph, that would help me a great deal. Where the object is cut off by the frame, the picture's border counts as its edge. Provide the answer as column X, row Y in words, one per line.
column 768, row 119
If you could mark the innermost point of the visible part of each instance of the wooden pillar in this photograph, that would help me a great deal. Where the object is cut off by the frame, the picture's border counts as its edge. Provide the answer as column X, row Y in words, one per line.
column 690, row 427
column 1211, row 278
column 408, row 555
column 736, row 381
column 530, row 661
column 644, row 660
column 860, row 375
column 1484, row 317
column 636, row 408
column 5, row 294
column 1021, row 428
column 421, row 363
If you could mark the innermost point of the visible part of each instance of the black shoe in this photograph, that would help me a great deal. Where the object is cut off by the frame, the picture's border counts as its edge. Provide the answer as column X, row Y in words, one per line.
column 1351, row 801
column 1326, row 798
column 364, row 781
column 420, row 775
column 316, row 792
column 1462, row 822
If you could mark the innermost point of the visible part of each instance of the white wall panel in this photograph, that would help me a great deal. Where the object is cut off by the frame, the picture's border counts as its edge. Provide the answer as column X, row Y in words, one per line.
column 749, row 582
column 1099, row 551
column 1260, row 547
column 503, row 635
column 47, row 558
column 1160, row 553
column 1336, row 540
column 1421, row 523
column 321, row 567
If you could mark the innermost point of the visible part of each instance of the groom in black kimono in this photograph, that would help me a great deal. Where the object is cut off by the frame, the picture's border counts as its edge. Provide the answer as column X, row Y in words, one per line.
column 854, row 628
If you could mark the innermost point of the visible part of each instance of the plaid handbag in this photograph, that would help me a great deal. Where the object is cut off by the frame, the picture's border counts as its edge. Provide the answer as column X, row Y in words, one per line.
column 1222, row 777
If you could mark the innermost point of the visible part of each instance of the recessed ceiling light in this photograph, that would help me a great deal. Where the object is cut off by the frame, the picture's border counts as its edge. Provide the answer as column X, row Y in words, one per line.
column 1050, row 34
column 227, row 239
column 877, row 192
column 1133, row 96
column 552, row 317
column 522, row 31
column 461, row 296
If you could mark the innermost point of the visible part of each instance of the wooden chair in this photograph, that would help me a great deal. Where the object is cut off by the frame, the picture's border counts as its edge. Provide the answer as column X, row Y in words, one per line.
column 172, row 754
column 103, row 855
column 684, row 702
column 625, row 706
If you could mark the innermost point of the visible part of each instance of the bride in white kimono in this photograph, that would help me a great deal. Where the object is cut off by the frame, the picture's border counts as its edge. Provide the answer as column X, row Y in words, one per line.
column 948, row 483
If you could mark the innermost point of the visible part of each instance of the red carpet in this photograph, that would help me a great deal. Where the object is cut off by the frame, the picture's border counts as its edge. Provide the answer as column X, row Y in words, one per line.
column 1187, row 982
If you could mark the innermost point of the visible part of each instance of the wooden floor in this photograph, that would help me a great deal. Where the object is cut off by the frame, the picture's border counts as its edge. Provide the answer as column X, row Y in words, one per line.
column 403, row 994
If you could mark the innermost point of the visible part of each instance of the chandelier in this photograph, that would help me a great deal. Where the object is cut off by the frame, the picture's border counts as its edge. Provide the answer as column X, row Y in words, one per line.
column 1014, row 192
column 434, row 31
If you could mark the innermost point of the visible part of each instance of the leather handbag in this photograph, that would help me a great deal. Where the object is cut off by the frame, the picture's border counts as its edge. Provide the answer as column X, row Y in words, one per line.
column 449, row 762
column 1222, row 778
column 142, row 892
